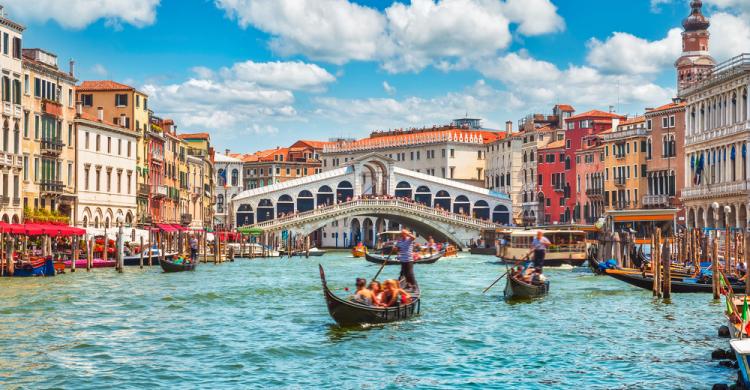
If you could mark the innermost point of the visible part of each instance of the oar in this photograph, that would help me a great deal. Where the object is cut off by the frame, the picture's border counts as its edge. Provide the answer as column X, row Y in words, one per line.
column 503, row 275
column 383, row 265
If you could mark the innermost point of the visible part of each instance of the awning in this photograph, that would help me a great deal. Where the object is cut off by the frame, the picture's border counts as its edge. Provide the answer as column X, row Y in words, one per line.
column 165, row 227
column 178, row 228
column 250, row 230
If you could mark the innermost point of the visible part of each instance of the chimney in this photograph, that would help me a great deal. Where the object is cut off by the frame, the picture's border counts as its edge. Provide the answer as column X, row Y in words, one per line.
column 122, row 120
column 79, row 109
column 100, row 114
column 677, row 100
column 72, row 65
column 509, row 127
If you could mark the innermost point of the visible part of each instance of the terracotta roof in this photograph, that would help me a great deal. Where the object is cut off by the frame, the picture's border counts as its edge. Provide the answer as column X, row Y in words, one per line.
column 94, row 118
column 597, row 114
column 554, row 145
column 205, row 136
column 630, row 121
column 103, row 85
column 423, row 137
column 667, row 107
column 566, row 107
column 313, row 144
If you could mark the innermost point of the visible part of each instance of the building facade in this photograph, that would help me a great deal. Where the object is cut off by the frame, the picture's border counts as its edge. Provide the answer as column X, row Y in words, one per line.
column 590, row 179
column 228, row 183
column 278, row 165
column 626, row 153
column 106, row 164
column 665, row 169
column 505, row 159
column 552, row 183
column 49, row 147
column 12, row 163
column 198, row 180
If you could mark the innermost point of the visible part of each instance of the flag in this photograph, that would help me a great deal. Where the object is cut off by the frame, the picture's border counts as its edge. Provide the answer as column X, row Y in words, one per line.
column 730, row 309
column 744, row 311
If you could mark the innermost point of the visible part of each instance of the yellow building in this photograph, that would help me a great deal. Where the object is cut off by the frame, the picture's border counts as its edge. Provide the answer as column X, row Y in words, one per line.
column 625, row 157
column 200, row 179
column 127, row 107
column 49, row 138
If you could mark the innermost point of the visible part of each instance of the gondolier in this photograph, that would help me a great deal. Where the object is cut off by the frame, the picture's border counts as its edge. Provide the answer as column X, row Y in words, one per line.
column 405, row 255
column 539, row 249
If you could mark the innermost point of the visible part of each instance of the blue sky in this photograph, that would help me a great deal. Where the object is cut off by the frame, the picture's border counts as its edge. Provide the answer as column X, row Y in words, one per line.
column 262, row 73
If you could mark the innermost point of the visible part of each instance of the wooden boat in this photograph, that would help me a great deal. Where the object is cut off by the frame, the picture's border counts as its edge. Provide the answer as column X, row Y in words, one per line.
column 347, row 313
column 568, row 247
column 392, row 260
column 35, row 267
column 359, row 251
column 518, row 289
column 741, row 348
column 450, row 251
column 96, row 263
column 170, row 266
column 679, row 285
column 134, row 260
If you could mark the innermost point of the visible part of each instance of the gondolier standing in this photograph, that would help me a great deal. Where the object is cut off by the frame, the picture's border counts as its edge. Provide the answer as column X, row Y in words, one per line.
column 539, row 248
column 193, row 248
column 405, row 253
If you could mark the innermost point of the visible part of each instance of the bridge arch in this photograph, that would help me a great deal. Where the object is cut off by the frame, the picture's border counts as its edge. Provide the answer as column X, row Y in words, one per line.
column 481, row 210
column 501, row 215
column 462, row 205
column 325, row 195
column 245, row 215
column 423, row 195
column 344, row 191
column 266, row 210
column 285, row 205
column 443, row 199
column 305, row 201
column 403, row 190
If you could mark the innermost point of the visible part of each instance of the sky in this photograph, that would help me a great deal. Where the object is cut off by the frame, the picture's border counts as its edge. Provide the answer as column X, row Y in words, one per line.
column 257, row 74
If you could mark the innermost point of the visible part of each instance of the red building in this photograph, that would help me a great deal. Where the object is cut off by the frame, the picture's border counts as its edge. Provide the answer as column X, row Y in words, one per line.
column 552, row 182
column 155, row 158
column 590, row 180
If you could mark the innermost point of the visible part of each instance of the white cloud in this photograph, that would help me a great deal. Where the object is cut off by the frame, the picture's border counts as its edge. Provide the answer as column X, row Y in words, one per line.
column 78, row 14
column 336, row 31
column 99, row 70
column 288, row 75
column 519, row 68
column 624, row 53
column 447, row 34
column 730, row 35
column 263, row 129
column 534, row 17
column 389, row 89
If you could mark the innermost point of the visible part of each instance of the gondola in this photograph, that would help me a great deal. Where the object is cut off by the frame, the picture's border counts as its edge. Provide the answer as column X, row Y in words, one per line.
column 517, row 289
column 134, row 260
column 392, row 260
column 678, row 285
column 168, row 265
column 347, row 313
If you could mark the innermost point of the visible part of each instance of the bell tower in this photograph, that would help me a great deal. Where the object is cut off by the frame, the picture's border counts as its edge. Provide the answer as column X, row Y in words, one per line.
column 695, row 63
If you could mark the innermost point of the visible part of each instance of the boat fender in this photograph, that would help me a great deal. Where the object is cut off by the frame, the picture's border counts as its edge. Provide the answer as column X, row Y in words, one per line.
column 720, row 386
column 718, row 354
column 728, row 364
column 724, row 332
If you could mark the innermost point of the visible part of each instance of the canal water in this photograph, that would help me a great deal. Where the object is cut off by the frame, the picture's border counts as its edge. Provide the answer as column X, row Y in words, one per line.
column 263, row 323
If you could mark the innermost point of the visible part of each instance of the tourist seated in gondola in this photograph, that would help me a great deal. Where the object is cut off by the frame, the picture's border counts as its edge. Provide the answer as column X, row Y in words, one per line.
column 377, row 292
column 393, row 294
column 362, row 295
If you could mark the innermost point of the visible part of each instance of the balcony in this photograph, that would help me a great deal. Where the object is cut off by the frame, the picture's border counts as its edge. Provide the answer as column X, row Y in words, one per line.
column 158, row 156
column 51, row 107
column 51, row 187
column 51, row 146
column 620, row 181
column 186, row 219
column 619, row 156
column 559, row 189
column 715, row 190
column 7, row 109
column 159, row 191
column 143, row 189
column 621, row 205
column 4, row 200
column 656, row 201
column 594, row 192
column 16, row 201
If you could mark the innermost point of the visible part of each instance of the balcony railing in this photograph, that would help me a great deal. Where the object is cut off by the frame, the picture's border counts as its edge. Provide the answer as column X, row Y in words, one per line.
column 4, row 200
column 51, row 146
column 716, row 133
column 621, row 205
column 16, row 201
column 159, row 191
column 51, row 187
column 559, row 189
column 186, row 219
column 144, row 189
column 51, row 107
column 619, row 156
column 593, row 192
column 656, row 200
column 714, row 190
column 620, row 181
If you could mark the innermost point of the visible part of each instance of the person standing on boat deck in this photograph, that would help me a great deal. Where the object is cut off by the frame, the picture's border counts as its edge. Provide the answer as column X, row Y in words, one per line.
column 405, row 252
column 539, row 248
column 193, row 248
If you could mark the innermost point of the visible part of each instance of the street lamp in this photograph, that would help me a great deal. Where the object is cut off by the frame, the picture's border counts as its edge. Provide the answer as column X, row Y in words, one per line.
column 715, row 206
column 727, row 210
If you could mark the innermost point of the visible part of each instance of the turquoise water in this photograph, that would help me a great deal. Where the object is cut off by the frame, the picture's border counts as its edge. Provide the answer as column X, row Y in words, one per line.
column 263, row 323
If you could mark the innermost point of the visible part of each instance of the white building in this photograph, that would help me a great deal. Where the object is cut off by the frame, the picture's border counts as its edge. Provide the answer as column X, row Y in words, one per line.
column 11, row 158
column 504, row 160
column 229, row 179
column 106, row 164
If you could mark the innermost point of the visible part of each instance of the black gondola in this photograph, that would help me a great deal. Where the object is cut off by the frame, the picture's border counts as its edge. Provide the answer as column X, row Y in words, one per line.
column 517, row 289
column 170, row 266
column 392, row 260
column 134, row 260
column 678, row 285
column 347, row 313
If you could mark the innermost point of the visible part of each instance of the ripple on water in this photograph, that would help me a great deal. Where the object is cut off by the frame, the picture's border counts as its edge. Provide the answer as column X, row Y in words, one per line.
column 263, row 323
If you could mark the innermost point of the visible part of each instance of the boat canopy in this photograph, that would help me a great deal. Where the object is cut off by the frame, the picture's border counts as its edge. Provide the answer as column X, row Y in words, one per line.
column 41, row 229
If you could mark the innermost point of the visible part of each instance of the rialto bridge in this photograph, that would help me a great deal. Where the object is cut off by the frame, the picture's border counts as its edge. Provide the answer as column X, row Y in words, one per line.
column 369, row 195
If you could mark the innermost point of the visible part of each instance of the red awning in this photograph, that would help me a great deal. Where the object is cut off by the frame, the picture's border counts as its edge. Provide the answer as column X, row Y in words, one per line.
column 166, row 227
column 179, row 227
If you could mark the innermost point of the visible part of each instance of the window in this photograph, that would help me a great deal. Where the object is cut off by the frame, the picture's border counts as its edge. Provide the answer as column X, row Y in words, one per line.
column 128, row 148
column 70, row 173
column 86, row 140
column 87, row 99
column 25, row 168
column 98, row 179
column 6, row 43
column 36, row 169
column 665, row 122
column 109, row 144
column 648, row 124
column 121, row 100
column 128, row 182
column 138, row 101
column 671, row 121
column 119, row 146
column 453, row 154
column 26, row 124
column 567, row 144
column 17, row 48
column 98, row 144
column 571, row 125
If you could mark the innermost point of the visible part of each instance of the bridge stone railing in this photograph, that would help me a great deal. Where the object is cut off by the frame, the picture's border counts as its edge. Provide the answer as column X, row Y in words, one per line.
column 375, row 205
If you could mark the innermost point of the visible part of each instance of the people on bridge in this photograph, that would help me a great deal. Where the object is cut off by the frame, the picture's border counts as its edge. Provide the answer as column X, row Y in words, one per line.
column 405, row 248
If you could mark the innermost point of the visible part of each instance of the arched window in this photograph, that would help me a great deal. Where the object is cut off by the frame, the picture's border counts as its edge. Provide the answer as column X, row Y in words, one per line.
column 235, row 177
column 461, row 205
column 221, row 177
column 245, row 215
column 403, row 190
column 567, row 162
column 423, row 195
